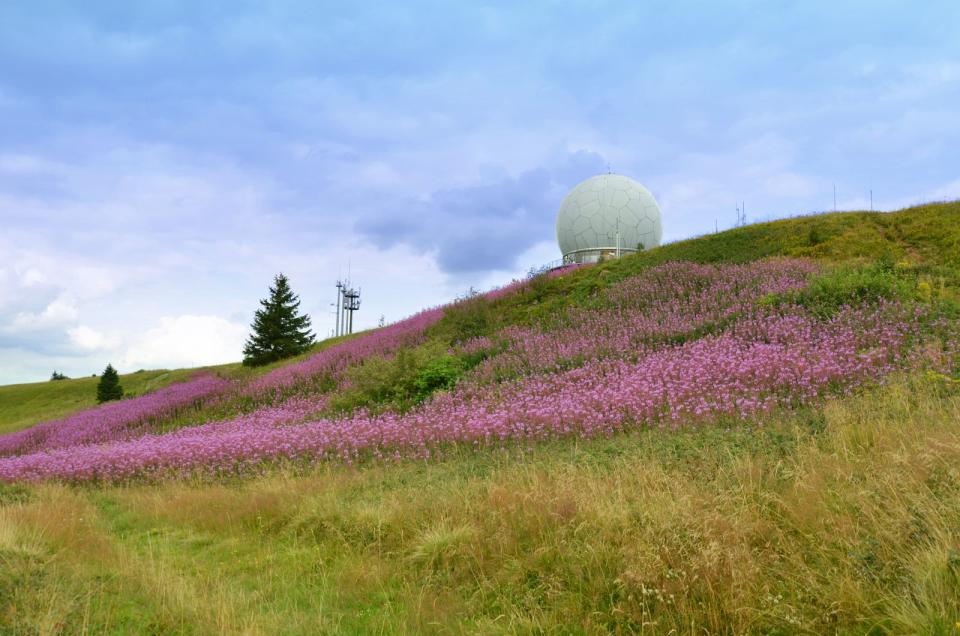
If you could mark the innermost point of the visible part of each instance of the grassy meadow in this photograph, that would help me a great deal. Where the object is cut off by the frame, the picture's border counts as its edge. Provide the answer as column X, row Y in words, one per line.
column 838, row 520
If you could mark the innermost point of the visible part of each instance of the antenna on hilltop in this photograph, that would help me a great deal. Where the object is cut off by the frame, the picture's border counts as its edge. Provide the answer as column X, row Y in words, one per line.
column 340, row 286
column 351, row 303
column 348, row 301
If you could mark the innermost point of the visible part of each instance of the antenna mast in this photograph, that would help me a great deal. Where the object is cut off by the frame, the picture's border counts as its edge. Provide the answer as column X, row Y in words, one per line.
column 351, row 303
column 336, row 328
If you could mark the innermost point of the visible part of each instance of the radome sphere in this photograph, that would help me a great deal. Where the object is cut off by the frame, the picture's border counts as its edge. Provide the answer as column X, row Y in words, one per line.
column 606, row 216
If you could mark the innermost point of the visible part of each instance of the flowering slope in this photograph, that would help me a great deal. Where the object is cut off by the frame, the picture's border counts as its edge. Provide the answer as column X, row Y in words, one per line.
column 112, row 421
column 133, row 417
column 769, row 361
column 681, row 344
column 332, row 362
column 670, row 303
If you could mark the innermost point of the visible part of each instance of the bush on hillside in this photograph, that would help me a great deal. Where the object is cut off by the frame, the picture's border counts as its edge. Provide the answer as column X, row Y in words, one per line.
column 437, row 375
column 399, row 381
column 850, row 286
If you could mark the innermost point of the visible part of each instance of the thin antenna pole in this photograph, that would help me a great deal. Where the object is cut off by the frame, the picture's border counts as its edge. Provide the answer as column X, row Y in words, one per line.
column 834, row 197
column 339, row 296
column 871, row 199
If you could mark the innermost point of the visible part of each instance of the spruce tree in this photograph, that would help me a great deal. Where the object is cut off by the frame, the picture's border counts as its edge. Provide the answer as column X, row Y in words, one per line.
column 279, row 331
column 109, row 386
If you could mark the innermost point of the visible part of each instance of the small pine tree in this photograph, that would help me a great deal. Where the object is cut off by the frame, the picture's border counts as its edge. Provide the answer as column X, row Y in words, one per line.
column 109, row 386
column 58, row 376
column 279, row 331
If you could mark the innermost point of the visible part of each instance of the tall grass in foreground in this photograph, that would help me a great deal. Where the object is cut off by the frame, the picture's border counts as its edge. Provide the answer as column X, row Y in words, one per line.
column 842, row 519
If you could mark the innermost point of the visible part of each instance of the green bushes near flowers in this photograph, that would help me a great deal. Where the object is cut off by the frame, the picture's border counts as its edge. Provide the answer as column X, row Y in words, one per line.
column 401, row 381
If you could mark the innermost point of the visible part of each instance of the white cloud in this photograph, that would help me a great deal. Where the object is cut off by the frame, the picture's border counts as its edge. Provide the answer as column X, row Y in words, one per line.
column 88, row 339
column 187, row 340
column 61, row 311
column 32, row 276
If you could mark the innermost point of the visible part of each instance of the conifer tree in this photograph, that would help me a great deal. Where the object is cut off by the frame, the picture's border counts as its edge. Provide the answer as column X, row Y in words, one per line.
column 279, row 331
column 109, row 386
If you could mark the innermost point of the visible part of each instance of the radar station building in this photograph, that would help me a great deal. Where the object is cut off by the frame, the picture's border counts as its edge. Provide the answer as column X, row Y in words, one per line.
column 605, row 217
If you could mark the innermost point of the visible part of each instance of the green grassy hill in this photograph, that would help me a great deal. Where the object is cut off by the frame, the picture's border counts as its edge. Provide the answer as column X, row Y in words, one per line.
column 22, row 405
column 925, row 238
column 837, row 517
column 928, row 233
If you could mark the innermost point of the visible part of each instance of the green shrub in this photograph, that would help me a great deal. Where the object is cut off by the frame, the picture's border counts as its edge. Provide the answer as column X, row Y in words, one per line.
column 813, row 237
column 438, row 374
column 400, row 381
column 851, row 285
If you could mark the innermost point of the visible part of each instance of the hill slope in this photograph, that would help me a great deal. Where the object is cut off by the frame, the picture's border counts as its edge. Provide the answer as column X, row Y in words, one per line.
column 840, row 521
column 22, row 405
column 926, row 235
column 645, row 445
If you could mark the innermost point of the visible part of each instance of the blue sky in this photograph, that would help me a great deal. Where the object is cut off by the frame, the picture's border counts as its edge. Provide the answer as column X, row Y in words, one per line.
column 160, row 161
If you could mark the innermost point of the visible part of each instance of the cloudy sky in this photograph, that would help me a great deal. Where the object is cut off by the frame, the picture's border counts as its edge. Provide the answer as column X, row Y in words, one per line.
column 161, row 160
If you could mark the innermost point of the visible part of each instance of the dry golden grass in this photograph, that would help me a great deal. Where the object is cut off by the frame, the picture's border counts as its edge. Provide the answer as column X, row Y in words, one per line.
column 842, row 521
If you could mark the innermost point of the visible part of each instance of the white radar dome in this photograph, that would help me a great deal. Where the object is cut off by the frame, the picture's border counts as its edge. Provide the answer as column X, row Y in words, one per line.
column 607, row 216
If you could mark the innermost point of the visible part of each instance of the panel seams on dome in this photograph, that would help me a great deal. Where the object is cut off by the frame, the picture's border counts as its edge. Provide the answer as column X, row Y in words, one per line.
column 596, row 209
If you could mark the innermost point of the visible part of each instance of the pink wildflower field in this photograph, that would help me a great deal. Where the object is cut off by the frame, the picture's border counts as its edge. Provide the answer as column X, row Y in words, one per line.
column 680, row 344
